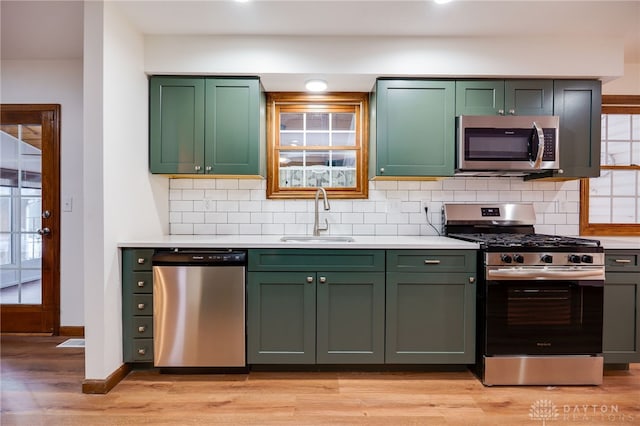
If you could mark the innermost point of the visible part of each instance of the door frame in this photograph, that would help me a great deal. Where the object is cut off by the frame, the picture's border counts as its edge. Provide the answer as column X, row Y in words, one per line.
column 43, row 318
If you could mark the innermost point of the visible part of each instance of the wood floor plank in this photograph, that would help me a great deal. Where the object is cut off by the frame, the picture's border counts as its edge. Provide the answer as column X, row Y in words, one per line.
column 41, row 385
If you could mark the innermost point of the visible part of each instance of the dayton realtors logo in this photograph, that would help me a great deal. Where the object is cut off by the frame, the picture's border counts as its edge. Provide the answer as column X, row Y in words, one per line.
column 544, row 410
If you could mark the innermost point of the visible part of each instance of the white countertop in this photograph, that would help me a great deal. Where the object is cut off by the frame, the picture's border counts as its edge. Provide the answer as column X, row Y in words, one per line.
column 622, row 243
column 273, row 241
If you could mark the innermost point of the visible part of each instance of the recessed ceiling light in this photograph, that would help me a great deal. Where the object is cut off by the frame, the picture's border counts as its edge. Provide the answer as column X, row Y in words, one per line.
column 442, row 1
column 316, row 85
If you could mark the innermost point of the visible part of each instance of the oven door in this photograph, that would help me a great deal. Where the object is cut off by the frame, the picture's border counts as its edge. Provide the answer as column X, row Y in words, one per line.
column 543, row 316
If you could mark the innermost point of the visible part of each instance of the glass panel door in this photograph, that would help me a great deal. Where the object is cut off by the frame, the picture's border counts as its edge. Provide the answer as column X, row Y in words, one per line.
column 21, row 214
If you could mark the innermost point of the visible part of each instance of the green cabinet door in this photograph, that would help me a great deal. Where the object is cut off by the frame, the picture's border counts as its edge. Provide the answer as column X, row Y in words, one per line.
column 504, row 97
column 281, row 318
column 578, row 103
column 176, row 125
column 350, row 318
column 528, row 97
column 430, row 318
column 479, row 97
column 414, row 131
column 232, row 132
column 621, row 316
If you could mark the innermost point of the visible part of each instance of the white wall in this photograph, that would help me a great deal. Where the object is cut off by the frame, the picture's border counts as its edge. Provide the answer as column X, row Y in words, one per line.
column 59, row 82
column 278, row 60
column 123, row 200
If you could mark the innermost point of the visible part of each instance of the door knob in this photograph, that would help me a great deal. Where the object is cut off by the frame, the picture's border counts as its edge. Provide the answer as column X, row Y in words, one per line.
column 44, row 231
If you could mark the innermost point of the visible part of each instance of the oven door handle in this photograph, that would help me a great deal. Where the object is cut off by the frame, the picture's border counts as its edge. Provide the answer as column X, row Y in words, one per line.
column 545, row 274
column 538, row 134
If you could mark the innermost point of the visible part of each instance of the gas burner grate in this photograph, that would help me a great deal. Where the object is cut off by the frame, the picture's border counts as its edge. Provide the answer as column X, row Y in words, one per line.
column 526, row 240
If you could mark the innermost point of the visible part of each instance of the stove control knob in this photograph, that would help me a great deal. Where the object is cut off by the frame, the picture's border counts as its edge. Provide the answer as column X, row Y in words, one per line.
column 518, row 258
column 546, row 258
column 586, row 258
column 505, row 258
column 574, row 258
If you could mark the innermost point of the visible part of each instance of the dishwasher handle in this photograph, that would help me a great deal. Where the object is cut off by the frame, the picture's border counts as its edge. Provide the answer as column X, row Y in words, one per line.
column 192, row 257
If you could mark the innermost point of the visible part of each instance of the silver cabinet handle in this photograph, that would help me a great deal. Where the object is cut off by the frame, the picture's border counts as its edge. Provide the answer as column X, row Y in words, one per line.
column 141, row 306
column 500, row 112
column 623, row 261
column 142, row 351
column 208, row 168
column 323, row 280
column 431, row 262
column 512, row 112
column 472, row 280
column 309, row 279
column 197, row 168
column 142, row 329
column 381, row 169
column 140, row 283
column 141, row 261
column 44, row 231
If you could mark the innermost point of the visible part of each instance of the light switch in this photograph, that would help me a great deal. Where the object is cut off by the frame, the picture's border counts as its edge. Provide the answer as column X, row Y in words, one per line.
column 67, row 204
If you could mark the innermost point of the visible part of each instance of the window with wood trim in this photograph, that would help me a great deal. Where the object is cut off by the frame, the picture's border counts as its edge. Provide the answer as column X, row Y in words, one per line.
column 610, row 204
column 317, row 140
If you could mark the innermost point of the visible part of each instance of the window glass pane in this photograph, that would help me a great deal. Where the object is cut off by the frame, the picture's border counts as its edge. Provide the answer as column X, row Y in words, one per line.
column 31, row 250
column 317, row 158
column 613, row 197
column 623, row 182
column 289, row 121
column 618, row 154
column 619, row 127
column 291, row 139
column 318, row 139
column 318, row 121
column 343, row 121
column 318, row 176
column 5, row 250
column 343, row 139
column 31, row 214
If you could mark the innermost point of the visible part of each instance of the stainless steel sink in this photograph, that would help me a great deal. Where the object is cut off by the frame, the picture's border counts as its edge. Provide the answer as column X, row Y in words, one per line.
column 316, row 239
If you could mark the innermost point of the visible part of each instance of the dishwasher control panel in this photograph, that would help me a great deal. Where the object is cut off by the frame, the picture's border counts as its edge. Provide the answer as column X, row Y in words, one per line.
column 200, row 257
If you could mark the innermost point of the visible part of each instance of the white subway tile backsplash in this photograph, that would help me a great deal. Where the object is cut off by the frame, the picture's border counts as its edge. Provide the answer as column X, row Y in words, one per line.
column 240, row 206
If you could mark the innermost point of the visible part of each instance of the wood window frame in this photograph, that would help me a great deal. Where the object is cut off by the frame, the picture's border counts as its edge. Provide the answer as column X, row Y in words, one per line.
column 306, row 102
column 611, row 104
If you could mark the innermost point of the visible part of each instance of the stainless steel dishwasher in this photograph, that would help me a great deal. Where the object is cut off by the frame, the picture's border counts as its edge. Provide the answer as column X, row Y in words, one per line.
column 199, row 308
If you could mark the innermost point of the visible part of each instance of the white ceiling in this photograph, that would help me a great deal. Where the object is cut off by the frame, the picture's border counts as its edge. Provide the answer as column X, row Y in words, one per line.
column 53, row 29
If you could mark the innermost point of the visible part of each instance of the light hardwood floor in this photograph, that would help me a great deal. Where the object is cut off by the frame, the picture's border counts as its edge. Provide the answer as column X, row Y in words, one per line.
column 41, row 385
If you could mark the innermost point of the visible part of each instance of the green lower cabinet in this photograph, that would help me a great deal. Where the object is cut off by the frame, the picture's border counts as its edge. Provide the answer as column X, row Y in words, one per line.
column 621, row 322
column 350, row 318
column 281, row 318
column 317, row 317
column 430, row 318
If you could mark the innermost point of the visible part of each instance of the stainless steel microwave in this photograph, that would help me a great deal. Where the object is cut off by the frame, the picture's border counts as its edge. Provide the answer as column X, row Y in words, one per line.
column 520, row 144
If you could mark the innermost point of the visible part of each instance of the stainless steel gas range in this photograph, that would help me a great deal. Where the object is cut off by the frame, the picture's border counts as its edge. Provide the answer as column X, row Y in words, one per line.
column 540, row 298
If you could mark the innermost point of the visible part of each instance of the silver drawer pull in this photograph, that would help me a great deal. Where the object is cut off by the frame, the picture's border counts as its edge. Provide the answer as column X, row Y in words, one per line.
column 431, row 262
column 142, row 329
column 140, row 283
column 142, row 351
column 141, row 261
column 309, row 279
column 323, row 280
column 141, row 306
column 623, row 261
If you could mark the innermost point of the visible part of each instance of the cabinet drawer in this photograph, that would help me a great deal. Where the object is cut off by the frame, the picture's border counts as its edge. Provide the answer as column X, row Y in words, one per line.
column 316, row 260
column 431, row 260
column 138, row 282
column 142, row 304
column 622, row 261
column 142, row 327
column 136, row 259
column 142, row 350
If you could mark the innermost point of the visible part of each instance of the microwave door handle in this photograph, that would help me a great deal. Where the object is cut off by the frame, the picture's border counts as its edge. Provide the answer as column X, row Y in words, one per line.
column 537, row 131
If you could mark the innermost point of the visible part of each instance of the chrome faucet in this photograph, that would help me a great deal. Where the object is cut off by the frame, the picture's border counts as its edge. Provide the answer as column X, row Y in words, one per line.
column 316, row 225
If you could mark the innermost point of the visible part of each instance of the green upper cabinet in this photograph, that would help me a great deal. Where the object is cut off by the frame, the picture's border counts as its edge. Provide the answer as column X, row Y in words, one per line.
column 412, row 128
column 504, row 97
column 578, row 103
column 200, row 125
column 176, row 124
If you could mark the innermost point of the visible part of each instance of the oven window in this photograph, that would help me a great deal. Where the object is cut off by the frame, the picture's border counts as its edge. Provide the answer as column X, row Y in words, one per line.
column 543, row 317
column 539, row 307
column 492, row 144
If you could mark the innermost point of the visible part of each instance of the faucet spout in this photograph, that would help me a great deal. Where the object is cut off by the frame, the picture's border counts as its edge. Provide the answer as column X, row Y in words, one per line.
column 316, row 226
